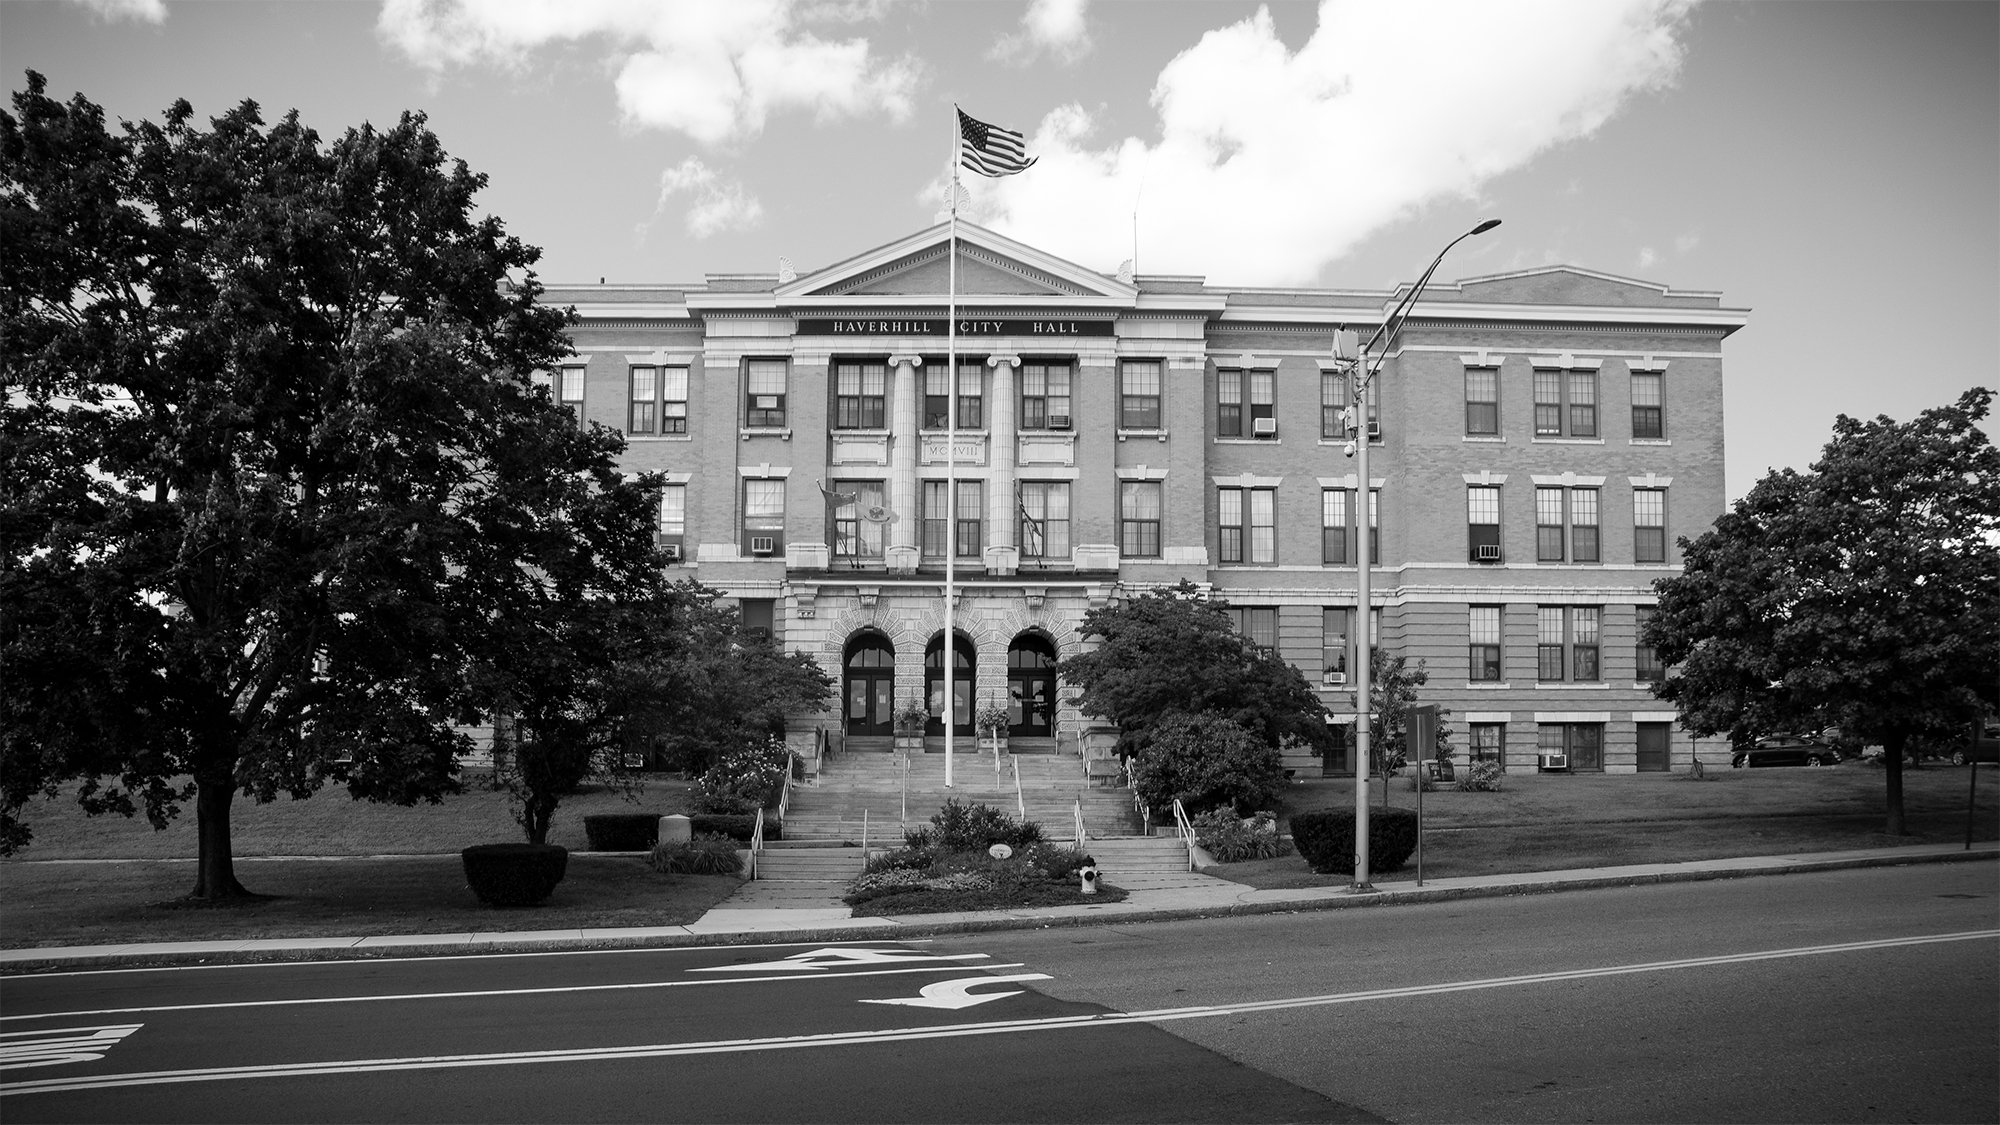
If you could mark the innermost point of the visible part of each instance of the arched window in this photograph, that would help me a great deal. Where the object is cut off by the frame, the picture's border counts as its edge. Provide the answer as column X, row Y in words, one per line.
column 964, row 667
column 1031, row 687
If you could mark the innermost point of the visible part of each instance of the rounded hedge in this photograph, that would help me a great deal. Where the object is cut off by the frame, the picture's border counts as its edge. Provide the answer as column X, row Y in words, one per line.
column 1326, row 839
column 514, row 874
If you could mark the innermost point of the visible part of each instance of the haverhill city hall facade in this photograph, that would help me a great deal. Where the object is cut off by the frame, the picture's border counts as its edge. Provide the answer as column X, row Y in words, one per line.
column 1541, row 438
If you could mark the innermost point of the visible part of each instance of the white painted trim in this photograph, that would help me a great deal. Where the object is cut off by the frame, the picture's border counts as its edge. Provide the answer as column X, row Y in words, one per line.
column 763, row 471
column 1572, row 716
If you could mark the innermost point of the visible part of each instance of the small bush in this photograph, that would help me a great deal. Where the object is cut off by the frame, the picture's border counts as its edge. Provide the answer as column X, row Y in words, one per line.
column 514, row 874
column 736, row 826
column 1482, row 777
column 1233, row 839
column 743, row 779
column 706, row 854
column 621, row 832
column 1326, row 839
column 1060, row 864
column 959, row 827
column 901, row 859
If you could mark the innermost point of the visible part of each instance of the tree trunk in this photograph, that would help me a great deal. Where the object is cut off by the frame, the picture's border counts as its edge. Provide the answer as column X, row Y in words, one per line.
column 215, row 865
column 1892, row 761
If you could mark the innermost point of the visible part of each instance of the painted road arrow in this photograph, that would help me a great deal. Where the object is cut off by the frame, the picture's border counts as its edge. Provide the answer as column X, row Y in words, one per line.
column 954, row 993
column 819, row 960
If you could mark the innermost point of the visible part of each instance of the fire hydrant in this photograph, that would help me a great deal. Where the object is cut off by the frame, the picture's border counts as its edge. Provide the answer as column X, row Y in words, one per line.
column 1089, row 874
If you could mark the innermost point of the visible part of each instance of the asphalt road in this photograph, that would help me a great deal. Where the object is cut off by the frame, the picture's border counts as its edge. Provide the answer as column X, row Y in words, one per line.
column 1865, row 995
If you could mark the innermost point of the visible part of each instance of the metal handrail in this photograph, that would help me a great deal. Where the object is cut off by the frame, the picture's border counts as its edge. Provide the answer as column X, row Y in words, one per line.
column 1078, row 808
column 784, row 793
column 1020, row 802
column 864, row 836
column 756, row 842
column 1186, row 829
column 1139, row 806
column 906, row 790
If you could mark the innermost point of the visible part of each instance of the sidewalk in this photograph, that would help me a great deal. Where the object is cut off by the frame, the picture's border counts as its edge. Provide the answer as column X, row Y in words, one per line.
column 1152, row 898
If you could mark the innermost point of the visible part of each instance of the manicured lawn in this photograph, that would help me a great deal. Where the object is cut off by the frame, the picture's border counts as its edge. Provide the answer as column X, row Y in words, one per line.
column 1553, row 822
column 945, row 902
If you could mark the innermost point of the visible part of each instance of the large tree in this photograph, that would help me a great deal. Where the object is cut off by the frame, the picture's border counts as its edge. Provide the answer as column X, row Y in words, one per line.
column 273, row 468
column 1173, row 651
column 1862, row 593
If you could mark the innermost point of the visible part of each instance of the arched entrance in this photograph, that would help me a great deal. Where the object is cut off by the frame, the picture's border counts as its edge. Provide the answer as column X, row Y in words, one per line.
column 1031, row 687
column 964, row 665
column 870, row 690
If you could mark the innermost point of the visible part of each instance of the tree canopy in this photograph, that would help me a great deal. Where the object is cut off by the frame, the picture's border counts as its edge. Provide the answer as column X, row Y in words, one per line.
column 1173, row 651
column 275, row 478
column 1863, row 593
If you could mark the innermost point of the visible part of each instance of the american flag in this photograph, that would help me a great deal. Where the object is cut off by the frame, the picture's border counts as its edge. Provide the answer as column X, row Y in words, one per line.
column 990, row 150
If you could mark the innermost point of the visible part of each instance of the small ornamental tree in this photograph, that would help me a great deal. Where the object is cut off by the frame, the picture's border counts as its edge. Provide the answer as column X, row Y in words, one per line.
column 1392, row 690
column 1863, row 593
column 1207, row 762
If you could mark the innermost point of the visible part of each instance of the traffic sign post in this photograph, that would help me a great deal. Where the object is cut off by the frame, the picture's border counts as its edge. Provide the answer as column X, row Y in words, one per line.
column 1420, row 733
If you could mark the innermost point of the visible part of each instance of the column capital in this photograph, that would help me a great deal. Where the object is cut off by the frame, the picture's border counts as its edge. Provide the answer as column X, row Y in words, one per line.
column 912, row 359
column 1008, row 360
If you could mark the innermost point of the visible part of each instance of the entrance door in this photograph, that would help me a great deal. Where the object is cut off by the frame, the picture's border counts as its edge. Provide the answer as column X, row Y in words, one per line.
column 1031, row 688
column 871, row 686
column 963, row 667
column 1652, row 747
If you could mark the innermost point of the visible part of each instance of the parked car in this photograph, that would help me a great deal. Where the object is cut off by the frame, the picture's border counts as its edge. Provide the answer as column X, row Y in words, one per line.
column 1982, row 747
column 1786, row 750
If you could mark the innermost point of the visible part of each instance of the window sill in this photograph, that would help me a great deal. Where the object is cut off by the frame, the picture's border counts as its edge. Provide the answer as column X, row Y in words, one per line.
column 1486, row 439
column 1248, row 441
column 1544, row 439
column 1572, row 685
column 1488, row 685
column 1650, row 441
column 631, row 439
column 748, row 432
column 1157, row 435
column 1334, row 442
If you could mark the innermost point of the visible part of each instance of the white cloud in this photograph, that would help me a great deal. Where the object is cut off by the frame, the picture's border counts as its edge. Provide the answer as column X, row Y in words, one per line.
column 1271, row 163
column 1057, row 27
column 1647, row 256
column 1686, row 242
column 111, row 11
column 717, row 205
column 712, row 69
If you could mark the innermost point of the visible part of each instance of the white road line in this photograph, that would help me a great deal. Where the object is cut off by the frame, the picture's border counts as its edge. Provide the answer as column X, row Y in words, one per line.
column 905, row 1034
column 442, row 957
column 941, row 967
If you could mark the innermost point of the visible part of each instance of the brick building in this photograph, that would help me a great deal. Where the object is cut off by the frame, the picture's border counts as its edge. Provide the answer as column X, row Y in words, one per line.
column 1542, row 438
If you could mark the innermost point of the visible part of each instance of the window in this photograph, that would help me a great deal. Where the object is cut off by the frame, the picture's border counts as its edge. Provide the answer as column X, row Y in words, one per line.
column 1483, row 631
column 858, row 519
column 1648, row 416
column 859, row 396
column 1259, row 623
column 1139, row 395
column 1482, row 401
column 1489, row 742
column 1044, row 520
column 763, row 516
column 1139, row 519
column 658, row 401
column 1581, row 745
column 764, row 388
column 937, row 397
column 759, row 615
column 1646, row 660
column 1336, row 531
column 1045, row 396
column 1649, row 525
column 565, row 386
column 643, row 413
column 1242, row 397
column 1333, row 402
column 971, row 397
column 1566, row 638
column 1333, row 646
column 1565, row 403
column 1247, row 530
column 1482, row 518
column 967, row 535
column 673, row 509
column 1552, row 505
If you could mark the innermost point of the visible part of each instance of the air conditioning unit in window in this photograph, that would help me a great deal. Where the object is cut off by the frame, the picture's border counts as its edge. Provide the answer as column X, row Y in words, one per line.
column 1553, row 761
column 672, row 552
column 1264, row 427
column 1058, row 421
column 763, row 544
column 1335, row 678
column 1488, row 552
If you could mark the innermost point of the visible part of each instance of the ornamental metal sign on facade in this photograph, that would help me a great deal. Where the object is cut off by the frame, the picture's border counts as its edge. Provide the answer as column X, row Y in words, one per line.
column 939, row 325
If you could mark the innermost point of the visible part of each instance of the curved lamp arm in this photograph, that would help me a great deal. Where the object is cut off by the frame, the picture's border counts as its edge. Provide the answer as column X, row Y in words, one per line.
column 1401, row 312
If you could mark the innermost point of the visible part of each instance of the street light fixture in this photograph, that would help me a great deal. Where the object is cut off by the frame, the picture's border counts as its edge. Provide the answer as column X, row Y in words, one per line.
column 1364, row 627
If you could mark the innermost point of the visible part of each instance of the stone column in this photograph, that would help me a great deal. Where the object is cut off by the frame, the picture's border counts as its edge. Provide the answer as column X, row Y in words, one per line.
column 1003, row 554
column 902, row 552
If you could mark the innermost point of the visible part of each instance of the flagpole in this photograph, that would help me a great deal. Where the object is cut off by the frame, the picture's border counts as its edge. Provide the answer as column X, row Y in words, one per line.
column 949, row 656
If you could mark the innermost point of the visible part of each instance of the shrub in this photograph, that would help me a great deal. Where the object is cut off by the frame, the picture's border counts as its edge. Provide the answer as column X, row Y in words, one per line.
column 1326, row 839
column 1233, row 839
column 1207, row 761
column 736, row 826
column 621, row 832
column 706, row 854
column 513, row 874
column 959, row 827
column 1060, row 863
column 901, row 859
column 743, row 779
column 1482, row 777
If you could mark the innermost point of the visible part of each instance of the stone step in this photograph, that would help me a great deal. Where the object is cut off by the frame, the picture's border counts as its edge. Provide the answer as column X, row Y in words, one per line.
column 838, row 866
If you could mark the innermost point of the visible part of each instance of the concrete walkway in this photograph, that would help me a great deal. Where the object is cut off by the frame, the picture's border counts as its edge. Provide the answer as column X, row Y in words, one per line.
column 1152, row 898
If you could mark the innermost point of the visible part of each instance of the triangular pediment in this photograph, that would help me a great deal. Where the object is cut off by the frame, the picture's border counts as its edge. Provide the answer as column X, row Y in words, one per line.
column 989, row 266
column 1561, row 285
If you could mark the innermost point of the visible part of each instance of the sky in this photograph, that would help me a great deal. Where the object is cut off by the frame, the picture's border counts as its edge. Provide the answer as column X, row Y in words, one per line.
column 1834, row 168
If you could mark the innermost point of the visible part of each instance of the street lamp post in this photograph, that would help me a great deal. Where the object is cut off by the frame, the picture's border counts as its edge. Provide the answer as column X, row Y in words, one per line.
column 1364, row 627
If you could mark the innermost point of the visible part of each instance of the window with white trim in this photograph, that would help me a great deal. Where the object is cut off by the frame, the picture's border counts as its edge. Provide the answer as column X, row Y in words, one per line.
column 1482, row 401
column 1044, row 518
column 1649, row 525
column 1139, row 507
column 1334, row 399
column 565, row 387
column 764, row 392
column 1241, row 398
column 1259, row 623
column 1483, row 636
column 1566, row 647
column 1247, row 525
column 1045, row 399
column 967, row 532
column 1139, row 394
column 1337, row 532
column 1647, row 668
column 1489, row 742
column 860, row 395
column 658, row 400
column 1333, row 643
column 764, row 516
column 857, row 520
column 1482, row 519
column 1565, row 403
column 1649, row 418
column 1566, row 524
